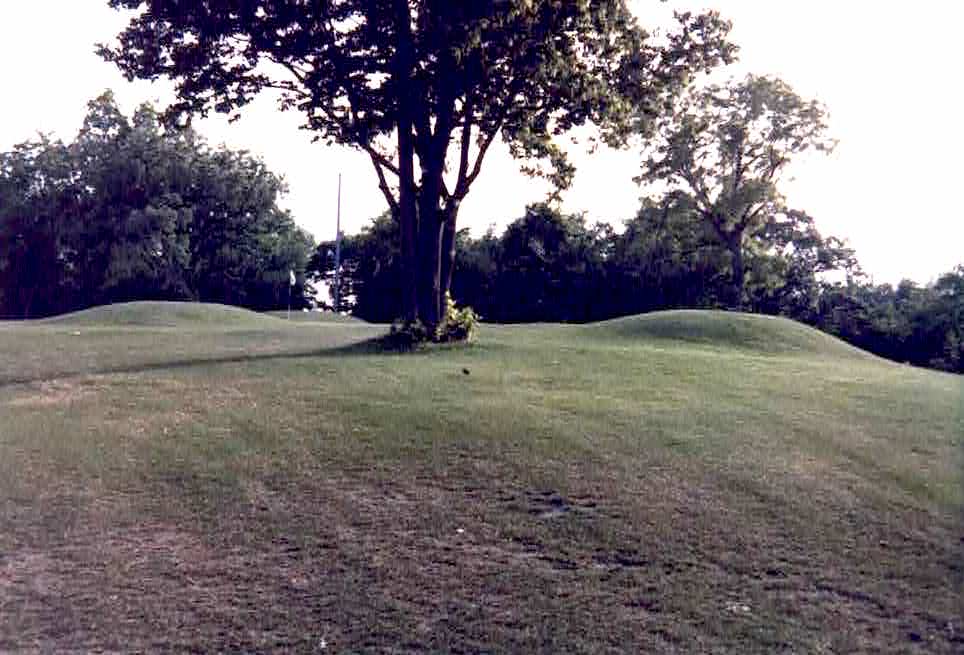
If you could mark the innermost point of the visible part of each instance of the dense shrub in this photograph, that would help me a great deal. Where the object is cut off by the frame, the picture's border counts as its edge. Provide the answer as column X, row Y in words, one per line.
column 458, row 324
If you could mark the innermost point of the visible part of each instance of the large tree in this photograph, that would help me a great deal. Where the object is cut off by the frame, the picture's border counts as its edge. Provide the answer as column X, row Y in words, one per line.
column 424, row 87
column 725, row 147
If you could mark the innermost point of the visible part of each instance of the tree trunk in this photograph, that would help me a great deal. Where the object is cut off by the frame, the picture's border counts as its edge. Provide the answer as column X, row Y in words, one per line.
column 407, row 198
column 408, row 223
column 429, row 279
column 430, row 249
column 736, row 252
column 448, row 248
column 431, row 219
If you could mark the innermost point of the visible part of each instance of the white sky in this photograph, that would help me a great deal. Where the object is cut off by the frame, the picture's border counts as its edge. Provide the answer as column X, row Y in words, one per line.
column 888, row 72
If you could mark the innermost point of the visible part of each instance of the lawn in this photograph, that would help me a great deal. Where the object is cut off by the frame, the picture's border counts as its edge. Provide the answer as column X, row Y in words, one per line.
column 193, row 478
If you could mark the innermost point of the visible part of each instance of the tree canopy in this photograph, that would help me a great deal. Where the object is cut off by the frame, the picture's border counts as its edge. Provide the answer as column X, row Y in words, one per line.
column 549, row 266
column 129, row 210
column 723, row 150
column 425, row 87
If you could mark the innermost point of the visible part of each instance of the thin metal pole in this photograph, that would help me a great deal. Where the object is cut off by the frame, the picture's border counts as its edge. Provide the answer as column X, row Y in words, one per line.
column 338, row 250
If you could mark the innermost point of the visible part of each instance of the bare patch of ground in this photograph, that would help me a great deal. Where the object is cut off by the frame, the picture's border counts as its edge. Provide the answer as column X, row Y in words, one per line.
column 52, row 393
column 400, row 564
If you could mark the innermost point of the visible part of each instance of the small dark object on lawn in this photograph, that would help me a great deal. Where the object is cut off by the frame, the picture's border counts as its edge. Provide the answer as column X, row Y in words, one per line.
column 465, row 370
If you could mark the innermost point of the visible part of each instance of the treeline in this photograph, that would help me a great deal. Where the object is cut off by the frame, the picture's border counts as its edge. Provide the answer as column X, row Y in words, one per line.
column 548, row 266
column 718, row 234
column 132, row 211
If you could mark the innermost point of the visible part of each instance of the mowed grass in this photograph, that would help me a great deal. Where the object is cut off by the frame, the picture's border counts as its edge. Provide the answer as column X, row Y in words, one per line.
column 316, row 317
column 676, row 482
column 139, row 336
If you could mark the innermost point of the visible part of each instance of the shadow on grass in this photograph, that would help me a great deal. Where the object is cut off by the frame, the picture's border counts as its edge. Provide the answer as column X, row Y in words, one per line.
column 375, row 346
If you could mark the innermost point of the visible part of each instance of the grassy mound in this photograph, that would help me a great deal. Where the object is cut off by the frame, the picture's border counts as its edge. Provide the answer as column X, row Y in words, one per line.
column 650, row 484
column 728, row 330
column 166, row 314
column 317, row 317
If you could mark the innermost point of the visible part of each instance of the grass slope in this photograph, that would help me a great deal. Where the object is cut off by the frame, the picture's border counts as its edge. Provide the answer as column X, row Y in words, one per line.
column 317, row 317
column 623, row 487
column 727, row 331
column 142, row 336
column 165, row 314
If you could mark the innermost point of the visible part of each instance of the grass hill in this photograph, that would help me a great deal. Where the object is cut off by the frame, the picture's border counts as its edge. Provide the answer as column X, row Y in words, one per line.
column 727, row 330
column 165, row 314
column 675, row 482
column 142, row 335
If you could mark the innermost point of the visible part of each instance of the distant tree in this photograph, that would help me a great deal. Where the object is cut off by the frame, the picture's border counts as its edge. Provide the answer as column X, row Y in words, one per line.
column 667, row 257
column 931, row 320
column 948, row 311
column 130, row 210
column 476, row 276
column 922, row 325
column 726, row 147
column 790, row 264
column 39, row 198
column 134, row 196
column 430, row 77
column 240, row 239
column 278, row 248
column 551, row 268
column 370, row 273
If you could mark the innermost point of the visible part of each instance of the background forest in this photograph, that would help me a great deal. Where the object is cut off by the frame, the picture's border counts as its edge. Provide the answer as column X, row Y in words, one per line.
column 129, row 210
column 548, row 266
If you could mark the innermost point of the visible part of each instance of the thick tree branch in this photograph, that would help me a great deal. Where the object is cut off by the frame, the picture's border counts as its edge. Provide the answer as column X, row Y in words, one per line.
column 749, row 217
column 477, row 167
column 379, row 164
column 466, row 144
column 381, row 158
column 696, row 185
column 738, row 166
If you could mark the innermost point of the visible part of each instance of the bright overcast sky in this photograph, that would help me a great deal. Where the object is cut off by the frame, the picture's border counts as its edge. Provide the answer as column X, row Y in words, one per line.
column 887, row 72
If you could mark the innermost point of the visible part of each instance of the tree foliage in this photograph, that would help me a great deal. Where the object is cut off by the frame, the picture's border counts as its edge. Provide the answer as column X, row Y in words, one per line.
column 725, row 148
column 548, row 266
column 425, row 87
column 370, row 271
column 129, row 210
column 921, row 325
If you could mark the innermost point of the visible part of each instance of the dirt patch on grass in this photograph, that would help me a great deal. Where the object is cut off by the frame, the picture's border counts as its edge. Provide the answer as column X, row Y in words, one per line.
column 53, row 393
column 405, row 561
column 30, row 573
column 140, row 588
